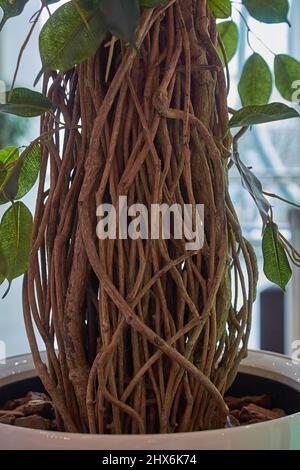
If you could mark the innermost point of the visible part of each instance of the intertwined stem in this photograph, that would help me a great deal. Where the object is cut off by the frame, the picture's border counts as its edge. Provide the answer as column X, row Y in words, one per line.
column 141, row 335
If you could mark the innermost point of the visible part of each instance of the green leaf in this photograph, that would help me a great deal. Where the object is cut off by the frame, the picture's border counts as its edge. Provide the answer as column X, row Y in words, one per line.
column 122, row 18
column 15, row 239
column 65, row 39
column 29, row 171
column 255, row 86
column 11, row 8
column 252, row 184
column 259, row 114
column 276, row 264
column 274, row 11
column 229, row 35
column 18, row 175
column 25, row 103
column 8, row 156
column 150, row 3
column 220, row 8
column 287, row 72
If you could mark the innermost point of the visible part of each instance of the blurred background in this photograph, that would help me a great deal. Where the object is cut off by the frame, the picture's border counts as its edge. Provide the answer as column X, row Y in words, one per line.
column 271, row 150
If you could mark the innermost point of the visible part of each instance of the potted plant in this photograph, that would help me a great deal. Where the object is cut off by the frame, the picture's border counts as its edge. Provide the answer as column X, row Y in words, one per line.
column 145, row 326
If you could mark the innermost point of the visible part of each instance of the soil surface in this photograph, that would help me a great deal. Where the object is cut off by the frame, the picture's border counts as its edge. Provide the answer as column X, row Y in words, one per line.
column 36, row 411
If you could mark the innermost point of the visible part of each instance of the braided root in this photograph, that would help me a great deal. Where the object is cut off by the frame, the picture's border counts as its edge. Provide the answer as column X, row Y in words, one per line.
column 141, row 335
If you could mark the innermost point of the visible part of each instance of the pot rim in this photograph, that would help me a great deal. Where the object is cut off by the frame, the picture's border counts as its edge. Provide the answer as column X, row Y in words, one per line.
column 273, row 366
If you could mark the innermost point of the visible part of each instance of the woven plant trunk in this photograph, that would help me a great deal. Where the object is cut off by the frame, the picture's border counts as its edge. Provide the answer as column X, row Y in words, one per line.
column 142, row 336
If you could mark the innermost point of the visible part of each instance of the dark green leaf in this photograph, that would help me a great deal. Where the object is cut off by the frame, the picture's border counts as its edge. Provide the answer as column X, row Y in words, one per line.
column 259, row 114
column 15, row 239
column 11, row 8
column 256, row 83
column 25, row 103
column 65, row 39
column 287, row 72
column 252, row 184
column 122, row 18
column 274, row 11
column 276, row 264
column 220, row 8
column 229, row 35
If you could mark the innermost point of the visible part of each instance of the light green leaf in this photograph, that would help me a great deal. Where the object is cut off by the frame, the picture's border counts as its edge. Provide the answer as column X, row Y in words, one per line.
column 220, row 8
column 11, row 8
column 25, row 103
column 65, row 39
column 287, row 72
column 259, row 114
column 229, row 35
column 274, row 11
column 15, row 239
column 276, row 264
column 122, row 18
column 255, row 86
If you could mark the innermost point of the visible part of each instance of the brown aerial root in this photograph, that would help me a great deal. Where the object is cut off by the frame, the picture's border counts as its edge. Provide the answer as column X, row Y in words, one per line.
column 142, row 336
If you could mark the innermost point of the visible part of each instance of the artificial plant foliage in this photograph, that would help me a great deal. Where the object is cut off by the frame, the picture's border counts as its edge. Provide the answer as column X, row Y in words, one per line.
column 10, row 9
column 229, row 35
column 121, row 18
column 220, row 8
column 275, row 11
column 252, row 184
column 276, row 264
column 25, row 103
column 256, row 83
column 287, row 73
column 66, row 39
column 15, row 239
column 260, row 114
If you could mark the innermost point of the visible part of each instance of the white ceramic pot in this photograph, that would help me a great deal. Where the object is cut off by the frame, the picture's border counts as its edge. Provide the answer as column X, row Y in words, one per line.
column 281, row 434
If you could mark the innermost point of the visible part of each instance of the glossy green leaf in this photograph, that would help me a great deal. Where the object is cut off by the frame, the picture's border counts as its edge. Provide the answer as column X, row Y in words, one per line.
column 252, row 184
column 220, row 8
column 255, row 86
column 65, row 39
column 229, row 35
column 10, row 9
column 15, row 239
column 122, row 18
column 25, row 103
column 274, row 11
column 259, row 114
column 287, row 72
column 276, row 264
